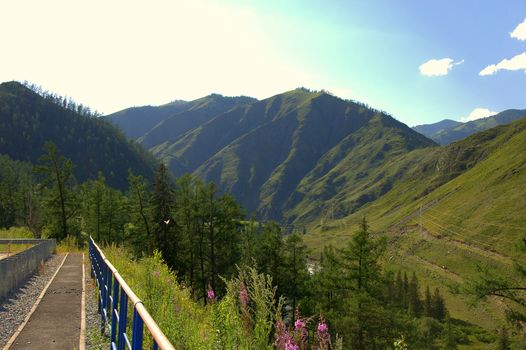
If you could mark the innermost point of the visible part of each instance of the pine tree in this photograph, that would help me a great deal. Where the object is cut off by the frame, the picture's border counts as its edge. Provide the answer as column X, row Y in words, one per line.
column 414, row 302
column 164, row 228
column 450, row 338
column 269, row 253
column 504, row 341
column 140, row 212
column 399, row 289
column 61, row 201
column 428, row 303
column 438, row 306
column 295, row 267
column 361, row 276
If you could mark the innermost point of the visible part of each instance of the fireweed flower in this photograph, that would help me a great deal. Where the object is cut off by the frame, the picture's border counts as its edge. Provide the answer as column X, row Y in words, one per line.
column 243, row 296
column 301, row 328
column 283, row 339
column 299, row 324
column 211, row 295
column 324, row 338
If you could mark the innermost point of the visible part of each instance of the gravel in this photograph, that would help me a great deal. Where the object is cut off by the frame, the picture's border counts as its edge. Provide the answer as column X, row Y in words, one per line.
column 94, row 340
column 14, row 308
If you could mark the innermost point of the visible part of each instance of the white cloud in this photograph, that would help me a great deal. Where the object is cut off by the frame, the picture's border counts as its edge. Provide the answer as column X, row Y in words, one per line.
column 439, row 67
column 519, row 32
column 478, row 113
column 515, row 63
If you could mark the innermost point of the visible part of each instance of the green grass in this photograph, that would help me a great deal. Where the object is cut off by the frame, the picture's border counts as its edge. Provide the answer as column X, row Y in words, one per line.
column 12, row 249
column 15, row 232
column 473, row 214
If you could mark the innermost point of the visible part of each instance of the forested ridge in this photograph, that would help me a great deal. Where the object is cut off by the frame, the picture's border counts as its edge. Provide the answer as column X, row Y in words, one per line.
column 30, row 116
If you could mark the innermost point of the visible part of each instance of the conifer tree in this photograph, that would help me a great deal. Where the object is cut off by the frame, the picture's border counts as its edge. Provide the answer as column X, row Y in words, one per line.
column 58, row 181
column 414, row 302
column 164, row 228
column 504, row 341
column 428, row 303
column 140, row 212
column 438, row 306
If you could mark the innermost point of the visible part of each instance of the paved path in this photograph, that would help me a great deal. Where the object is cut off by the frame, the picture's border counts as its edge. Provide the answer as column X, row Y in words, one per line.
column 55, row 324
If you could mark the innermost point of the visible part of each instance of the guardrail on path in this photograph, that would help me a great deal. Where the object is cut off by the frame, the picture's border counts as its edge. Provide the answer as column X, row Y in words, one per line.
column 114, row 294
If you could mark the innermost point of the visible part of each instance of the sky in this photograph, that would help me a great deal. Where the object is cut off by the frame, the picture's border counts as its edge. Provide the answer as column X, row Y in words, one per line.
column 420, row 61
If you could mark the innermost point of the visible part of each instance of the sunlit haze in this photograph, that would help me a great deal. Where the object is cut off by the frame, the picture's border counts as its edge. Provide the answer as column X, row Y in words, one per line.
column 419, row 62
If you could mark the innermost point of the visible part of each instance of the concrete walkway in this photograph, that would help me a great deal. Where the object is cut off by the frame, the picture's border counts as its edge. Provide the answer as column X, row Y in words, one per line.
column 56, row 322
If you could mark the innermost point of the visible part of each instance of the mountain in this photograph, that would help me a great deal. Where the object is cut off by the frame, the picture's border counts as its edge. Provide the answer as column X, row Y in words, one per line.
column 146, row 123
column 196, row 113
column 298, row 148
column 430, row 129
column 453, row 208
column 448, row 131
column 29, row 119
column 136, row 121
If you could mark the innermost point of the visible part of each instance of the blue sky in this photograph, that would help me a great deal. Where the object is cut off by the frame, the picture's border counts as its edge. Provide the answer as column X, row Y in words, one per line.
column 112, row 55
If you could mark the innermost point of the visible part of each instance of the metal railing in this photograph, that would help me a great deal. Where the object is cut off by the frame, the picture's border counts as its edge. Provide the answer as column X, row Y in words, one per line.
column 114, row 296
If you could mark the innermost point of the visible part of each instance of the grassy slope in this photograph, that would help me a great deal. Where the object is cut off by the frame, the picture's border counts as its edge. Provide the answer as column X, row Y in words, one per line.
column 473, row 218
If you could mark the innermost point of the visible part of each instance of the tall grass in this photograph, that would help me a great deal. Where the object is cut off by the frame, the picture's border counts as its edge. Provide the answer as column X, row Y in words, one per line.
column 245, row 318
column 15, row 232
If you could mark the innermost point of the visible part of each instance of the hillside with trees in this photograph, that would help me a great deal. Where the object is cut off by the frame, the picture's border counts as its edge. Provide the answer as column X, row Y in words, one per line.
column 30, row 117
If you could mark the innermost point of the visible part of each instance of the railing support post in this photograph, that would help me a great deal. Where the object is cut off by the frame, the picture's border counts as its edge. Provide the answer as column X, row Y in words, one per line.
column 123, row 314
column 137, row 331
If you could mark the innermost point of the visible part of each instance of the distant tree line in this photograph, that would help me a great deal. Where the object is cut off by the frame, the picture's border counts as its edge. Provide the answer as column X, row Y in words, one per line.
column 65, row 102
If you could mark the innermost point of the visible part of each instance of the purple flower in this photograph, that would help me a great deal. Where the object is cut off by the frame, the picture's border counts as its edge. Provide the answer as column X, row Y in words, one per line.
column 211, row 295
column 169, row 281
column 243, row 296
column 283, row 339
column 324, row 338
column 301, row 330
column 299, row 324
column 289, row 345
column 156, row 274
column 322, row 328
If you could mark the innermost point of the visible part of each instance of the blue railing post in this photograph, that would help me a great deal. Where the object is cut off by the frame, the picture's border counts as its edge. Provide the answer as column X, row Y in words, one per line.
column 103, row 298
column 123, row 315
column 137, row 331
column 114, row 313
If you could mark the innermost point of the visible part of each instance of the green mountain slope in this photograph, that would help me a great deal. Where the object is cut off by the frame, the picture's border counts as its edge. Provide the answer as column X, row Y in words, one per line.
column 270, row 153
column 453, row 208
column 446, row 133
column 153, row 125
column 136, row 121
column 28, row 120
column 197, row 112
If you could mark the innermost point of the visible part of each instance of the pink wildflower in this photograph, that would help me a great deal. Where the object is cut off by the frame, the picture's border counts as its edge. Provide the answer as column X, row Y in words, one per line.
column 243, row 296
column 156, row 274
column 283, row 339
column 324, row 338
column 211, row 295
